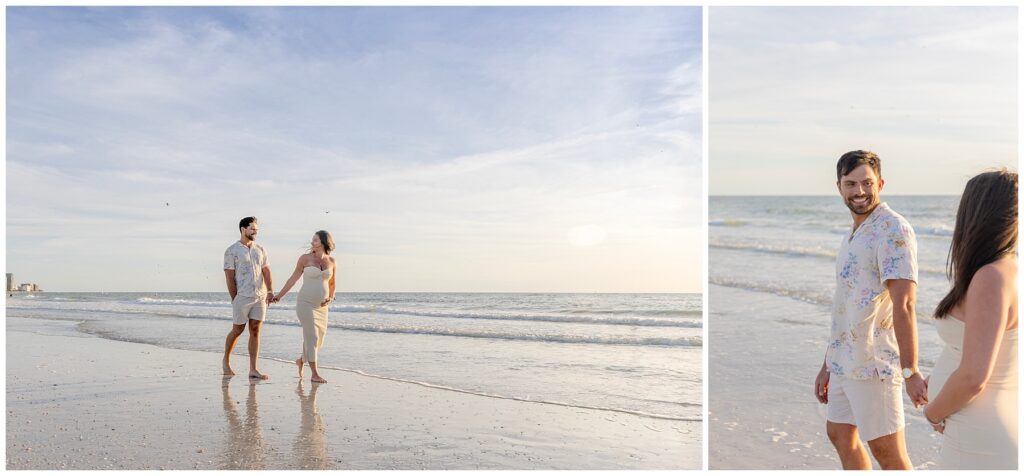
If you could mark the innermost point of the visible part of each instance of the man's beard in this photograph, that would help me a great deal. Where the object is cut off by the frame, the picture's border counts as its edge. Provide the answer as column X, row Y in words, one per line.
column 865, row 209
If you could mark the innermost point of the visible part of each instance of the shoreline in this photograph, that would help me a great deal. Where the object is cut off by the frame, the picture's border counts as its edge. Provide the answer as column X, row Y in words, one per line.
column 125, row 405
column 762, row 412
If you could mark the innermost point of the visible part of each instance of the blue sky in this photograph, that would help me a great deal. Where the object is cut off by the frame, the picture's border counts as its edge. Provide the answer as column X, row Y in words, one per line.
column 447, row 149
column 932, row 90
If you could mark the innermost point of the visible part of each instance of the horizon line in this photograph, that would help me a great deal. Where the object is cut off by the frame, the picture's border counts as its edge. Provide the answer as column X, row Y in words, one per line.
column 392, row 292
column 829, row 195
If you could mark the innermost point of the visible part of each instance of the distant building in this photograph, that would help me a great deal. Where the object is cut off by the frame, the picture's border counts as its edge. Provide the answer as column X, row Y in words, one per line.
column 23, row 288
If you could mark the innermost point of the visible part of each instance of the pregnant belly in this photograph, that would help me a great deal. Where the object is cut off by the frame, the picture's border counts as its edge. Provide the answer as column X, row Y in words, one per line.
column 947, row 363
column 314, row 291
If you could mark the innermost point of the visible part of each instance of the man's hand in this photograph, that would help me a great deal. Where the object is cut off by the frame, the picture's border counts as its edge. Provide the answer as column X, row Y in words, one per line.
column 821, row 386
column 270, row 297
column 917, row 389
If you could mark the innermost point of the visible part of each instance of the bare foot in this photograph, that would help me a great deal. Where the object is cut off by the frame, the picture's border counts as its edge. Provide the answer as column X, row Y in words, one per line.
column 256, row 374
column 317, row 379
column 227, row 368
column 299, row 362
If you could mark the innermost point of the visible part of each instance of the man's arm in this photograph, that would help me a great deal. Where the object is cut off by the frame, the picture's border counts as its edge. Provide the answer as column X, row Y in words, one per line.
column 903, row 293
column 269, row 282
column 229, row 274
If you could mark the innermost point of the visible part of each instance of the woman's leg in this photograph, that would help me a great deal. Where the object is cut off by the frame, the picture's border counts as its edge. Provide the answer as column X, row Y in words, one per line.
column 304, row 312
column 316, row 375
column 320, row 326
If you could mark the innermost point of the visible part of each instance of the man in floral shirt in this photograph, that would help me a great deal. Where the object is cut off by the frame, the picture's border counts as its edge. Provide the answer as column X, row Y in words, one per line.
column 872, row 350
column 248, row 278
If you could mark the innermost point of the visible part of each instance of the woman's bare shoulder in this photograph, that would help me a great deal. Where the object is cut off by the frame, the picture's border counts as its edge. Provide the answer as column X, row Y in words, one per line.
column 998, row 273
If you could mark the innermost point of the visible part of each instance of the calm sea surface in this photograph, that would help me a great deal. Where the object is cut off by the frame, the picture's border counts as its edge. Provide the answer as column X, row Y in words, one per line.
column 634, row 353
column 786, row 246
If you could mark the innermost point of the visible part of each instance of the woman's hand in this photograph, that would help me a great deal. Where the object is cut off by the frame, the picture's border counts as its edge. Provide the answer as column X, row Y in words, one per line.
column 940, row 426
column 326, row 302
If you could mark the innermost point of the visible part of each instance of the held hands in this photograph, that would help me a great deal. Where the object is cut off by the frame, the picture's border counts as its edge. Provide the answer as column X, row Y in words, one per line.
column 941, row 425
column 917, row 389
column 270, row 297
column 277, row 298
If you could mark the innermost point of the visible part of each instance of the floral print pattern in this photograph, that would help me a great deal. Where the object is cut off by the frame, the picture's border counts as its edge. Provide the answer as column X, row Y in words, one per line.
column 863, row 342
column 248, row 263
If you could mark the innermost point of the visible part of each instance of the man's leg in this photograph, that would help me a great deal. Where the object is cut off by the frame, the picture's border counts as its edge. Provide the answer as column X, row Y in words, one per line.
column 254, row 349
column 890, row 451
column 847, row 443
column 229, row 345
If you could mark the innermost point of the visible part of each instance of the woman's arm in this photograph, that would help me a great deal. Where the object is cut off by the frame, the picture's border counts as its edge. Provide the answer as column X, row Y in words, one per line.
column 330, row 295
column 986, row 308
column 291, row 280
column 334, row 272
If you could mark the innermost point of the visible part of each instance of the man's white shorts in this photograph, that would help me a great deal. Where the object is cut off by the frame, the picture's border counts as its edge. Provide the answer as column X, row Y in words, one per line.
column 874, row 406
column 244, row 308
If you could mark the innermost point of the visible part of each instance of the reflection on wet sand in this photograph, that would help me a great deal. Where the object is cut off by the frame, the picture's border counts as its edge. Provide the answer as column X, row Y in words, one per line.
column 311, row 441
column 245, row 447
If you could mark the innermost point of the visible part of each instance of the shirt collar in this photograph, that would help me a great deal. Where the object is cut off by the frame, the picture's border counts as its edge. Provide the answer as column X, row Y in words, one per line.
column 875, row 215
column 881, row 209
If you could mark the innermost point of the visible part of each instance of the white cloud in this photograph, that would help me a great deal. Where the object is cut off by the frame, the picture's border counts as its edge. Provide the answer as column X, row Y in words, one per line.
column 143, row 137
column 794, row 88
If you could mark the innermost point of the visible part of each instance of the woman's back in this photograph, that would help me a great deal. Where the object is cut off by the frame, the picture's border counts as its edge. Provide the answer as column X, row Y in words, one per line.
column 982, row 434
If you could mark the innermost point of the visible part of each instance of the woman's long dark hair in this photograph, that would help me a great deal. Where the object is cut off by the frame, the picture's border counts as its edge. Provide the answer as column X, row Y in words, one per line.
column 326, row 240
column 985, row 231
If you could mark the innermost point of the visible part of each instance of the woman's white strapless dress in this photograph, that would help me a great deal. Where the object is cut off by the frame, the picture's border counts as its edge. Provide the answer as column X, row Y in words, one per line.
column 313, row 317
column 983, row 434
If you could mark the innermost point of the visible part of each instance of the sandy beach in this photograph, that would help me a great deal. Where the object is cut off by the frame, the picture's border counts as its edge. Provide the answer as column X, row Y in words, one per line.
column 762, row 411
column 103, row 404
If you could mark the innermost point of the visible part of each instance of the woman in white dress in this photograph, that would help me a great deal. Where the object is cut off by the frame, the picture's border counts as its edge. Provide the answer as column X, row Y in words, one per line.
column 973, row 389
column 317, row 269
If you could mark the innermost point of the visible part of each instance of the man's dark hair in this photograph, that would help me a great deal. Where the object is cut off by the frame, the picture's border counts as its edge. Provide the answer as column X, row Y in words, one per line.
column 246, row 222
column 852, row 160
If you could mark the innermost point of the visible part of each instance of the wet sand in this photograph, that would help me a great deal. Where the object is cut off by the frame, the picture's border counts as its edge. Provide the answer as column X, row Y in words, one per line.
column 76, row 401
column 765, row 353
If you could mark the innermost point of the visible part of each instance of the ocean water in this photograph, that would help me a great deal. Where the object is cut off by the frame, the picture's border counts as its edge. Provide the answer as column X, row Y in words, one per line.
column 787, row 246
column 631, row 353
